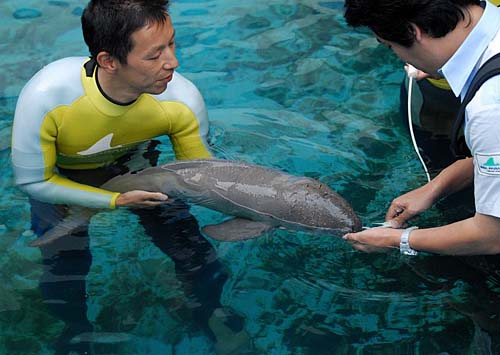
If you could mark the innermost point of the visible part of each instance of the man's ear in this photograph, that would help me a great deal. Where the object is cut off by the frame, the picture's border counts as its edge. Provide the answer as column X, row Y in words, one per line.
column 418, row 32
column 107, row 62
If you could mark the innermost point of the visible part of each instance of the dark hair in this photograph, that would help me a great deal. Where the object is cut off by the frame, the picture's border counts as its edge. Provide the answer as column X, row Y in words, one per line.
column 392, row 20
column 107, row 25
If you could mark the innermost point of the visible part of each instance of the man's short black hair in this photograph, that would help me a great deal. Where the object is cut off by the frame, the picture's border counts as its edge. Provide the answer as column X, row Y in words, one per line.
column 392, row 20
column 108, row 24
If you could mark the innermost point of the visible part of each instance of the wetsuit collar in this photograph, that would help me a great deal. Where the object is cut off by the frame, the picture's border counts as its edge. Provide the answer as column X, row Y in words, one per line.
column 90, row 66
column 463, row 65
column 105, row 95
column 100, row 100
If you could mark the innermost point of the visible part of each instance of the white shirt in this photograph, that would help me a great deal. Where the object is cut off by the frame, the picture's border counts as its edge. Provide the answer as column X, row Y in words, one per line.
column 482, row 114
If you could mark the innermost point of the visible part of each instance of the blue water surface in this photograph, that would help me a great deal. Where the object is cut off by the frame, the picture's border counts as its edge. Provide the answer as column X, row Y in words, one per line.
column 287, row 85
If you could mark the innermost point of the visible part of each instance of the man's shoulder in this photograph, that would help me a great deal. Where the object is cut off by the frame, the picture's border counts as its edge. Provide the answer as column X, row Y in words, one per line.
column 181, row 89
column 487, row 97
column 58, row 77
column 485, row 86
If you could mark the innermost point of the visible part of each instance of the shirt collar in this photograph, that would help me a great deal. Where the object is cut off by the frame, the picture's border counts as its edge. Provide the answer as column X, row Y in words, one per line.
column 462, row 66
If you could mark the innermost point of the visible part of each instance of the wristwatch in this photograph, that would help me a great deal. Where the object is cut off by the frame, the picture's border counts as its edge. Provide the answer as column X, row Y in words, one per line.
column 404, row 243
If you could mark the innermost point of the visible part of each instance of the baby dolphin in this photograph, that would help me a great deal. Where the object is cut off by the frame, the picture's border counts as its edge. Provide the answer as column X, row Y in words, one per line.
column 260, row 198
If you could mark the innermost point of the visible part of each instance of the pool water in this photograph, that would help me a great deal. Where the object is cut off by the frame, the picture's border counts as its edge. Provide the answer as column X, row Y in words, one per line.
column 287, row 85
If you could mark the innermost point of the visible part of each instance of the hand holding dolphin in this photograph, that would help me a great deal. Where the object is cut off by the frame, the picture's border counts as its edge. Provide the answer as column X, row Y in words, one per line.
column 139, row 198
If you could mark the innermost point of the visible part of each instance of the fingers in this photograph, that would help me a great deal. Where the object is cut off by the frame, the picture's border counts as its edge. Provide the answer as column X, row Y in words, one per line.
column 397, row 215
column 149, row 203
column 354, row 238
column 156, row 197
column 399, row 221
column 151, row 199
column 138, row 198
column 357, row 243
column 394, row 211
column 360, row 247
column 350, row 236
column 374, row 239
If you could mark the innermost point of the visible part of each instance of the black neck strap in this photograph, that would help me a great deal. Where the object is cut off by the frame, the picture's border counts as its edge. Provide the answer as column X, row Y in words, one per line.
column 488, row 70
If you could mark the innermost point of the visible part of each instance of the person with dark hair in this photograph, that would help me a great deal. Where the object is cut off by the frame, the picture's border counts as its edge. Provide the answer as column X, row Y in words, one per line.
column 431, row 107
column 81, row 121
column 450, row 39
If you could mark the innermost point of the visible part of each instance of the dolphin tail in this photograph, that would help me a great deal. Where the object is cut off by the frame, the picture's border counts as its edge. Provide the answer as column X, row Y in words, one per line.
column 236, row 229
column 77, row 220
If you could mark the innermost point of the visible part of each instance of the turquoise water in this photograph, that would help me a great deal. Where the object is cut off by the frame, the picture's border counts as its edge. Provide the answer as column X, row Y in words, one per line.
column 289, row 86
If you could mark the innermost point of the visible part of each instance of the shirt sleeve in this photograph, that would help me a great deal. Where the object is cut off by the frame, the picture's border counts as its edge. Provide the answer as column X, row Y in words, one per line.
column 483, row 137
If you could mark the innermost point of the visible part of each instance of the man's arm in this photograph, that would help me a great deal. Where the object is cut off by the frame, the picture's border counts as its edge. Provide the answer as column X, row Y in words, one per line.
column 188, row 122
column 185, row 133
column 452, row 179
column 34, row 138
column 479, row 235
column 474, row 236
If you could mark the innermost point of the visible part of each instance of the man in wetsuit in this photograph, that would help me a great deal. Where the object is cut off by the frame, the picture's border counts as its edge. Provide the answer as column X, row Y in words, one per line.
column 80, row 122
column 449, row 39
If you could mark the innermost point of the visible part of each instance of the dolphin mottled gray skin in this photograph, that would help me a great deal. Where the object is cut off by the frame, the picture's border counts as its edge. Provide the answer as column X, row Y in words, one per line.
column 260, row 197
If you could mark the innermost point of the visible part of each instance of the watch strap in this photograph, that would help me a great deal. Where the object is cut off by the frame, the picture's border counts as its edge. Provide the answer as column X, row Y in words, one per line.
column 404, row 243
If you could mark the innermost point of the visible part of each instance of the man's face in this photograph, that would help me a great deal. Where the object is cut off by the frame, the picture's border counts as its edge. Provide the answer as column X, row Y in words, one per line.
column 152, row 61
column 415, row 55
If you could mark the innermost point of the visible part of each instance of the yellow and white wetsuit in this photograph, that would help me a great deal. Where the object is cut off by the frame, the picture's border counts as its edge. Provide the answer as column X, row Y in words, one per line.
column 63, row 120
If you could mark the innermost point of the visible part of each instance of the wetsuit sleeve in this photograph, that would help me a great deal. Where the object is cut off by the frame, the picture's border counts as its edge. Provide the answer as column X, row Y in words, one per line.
column 34, row 139
column 185, row 134
column 34, row 168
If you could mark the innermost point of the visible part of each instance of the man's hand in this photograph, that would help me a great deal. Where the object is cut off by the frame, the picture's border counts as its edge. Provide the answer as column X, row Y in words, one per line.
column 415, row 73
column 402, row 209
column 138, row 198
column 374, row 239
column 409, row 205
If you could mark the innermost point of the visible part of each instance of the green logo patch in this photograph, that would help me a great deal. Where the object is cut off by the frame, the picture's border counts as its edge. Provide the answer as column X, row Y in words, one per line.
column 488, row 164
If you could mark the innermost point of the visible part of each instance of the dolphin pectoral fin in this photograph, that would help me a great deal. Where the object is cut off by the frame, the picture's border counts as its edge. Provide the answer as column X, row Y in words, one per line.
column 236, row 229
column 77, row 220
column 54, row 234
